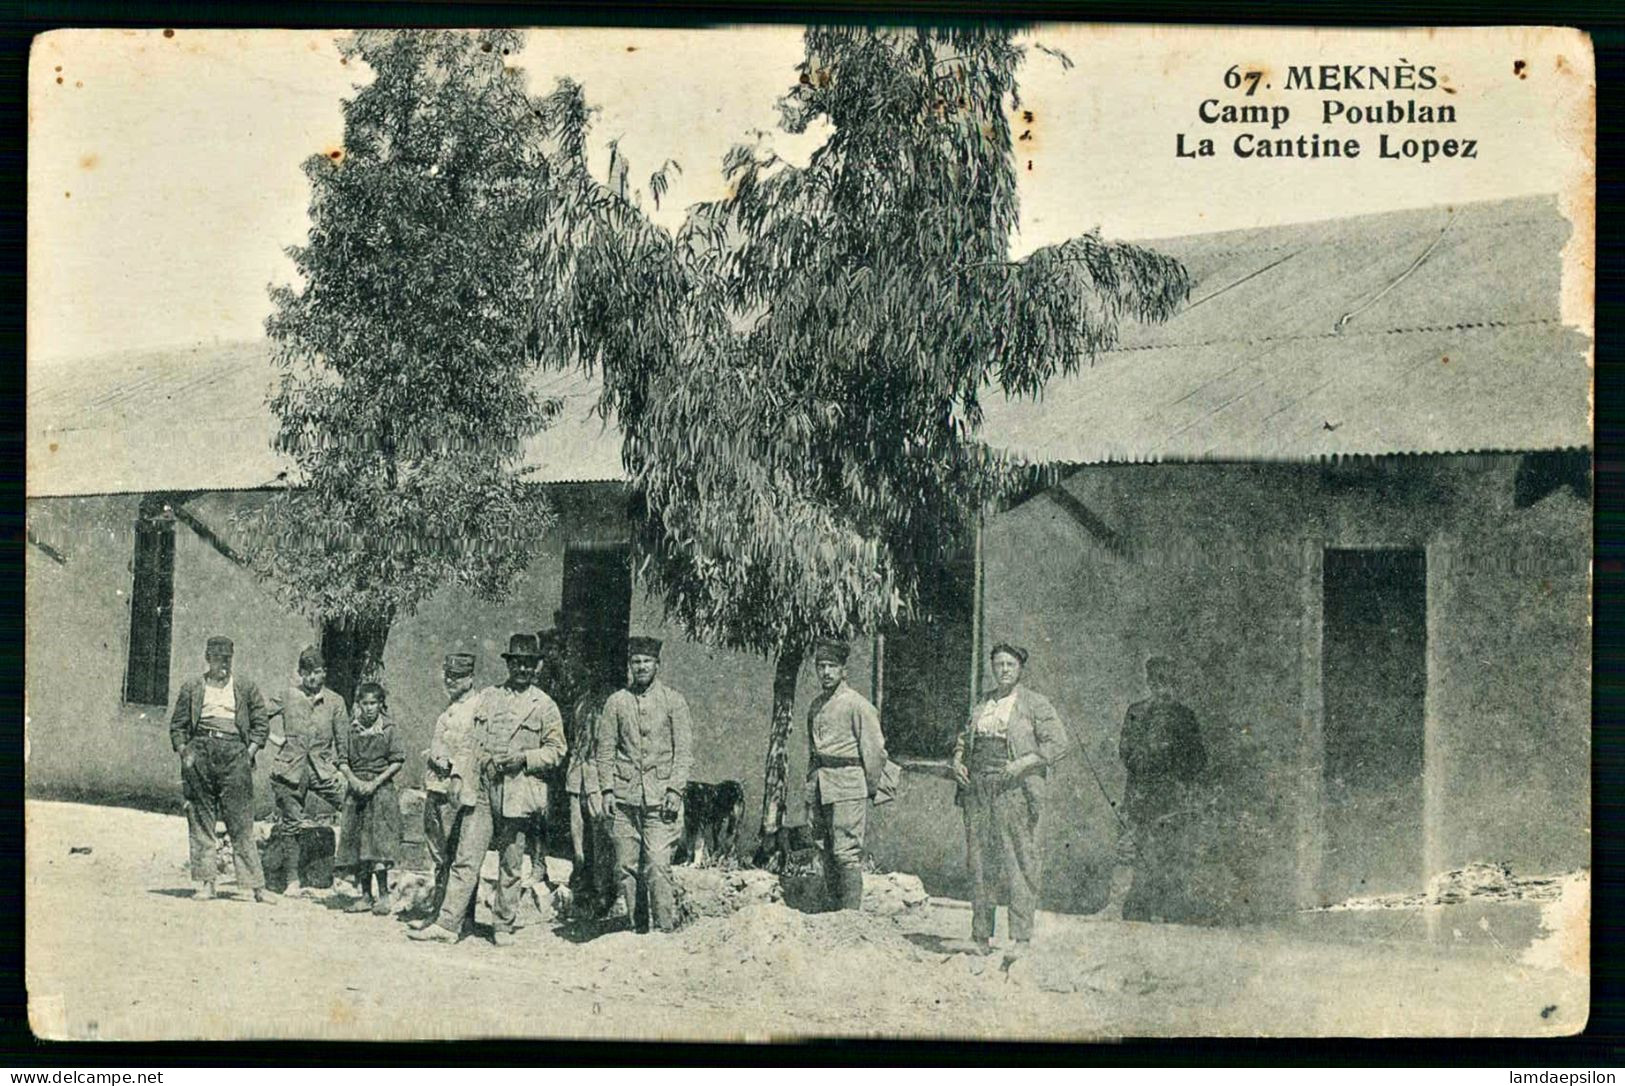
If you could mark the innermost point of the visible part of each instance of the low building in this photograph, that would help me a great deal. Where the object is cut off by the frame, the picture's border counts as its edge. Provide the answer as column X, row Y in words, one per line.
column 1347, row 489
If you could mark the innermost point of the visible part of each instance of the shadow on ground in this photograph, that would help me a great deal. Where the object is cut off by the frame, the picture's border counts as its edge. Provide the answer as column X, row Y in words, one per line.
column 940, row 944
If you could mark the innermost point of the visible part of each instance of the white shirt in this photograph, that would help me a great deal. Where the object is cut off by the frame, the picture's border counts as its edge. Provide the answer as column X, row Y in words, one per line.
column 995, row 716
column 220, row 702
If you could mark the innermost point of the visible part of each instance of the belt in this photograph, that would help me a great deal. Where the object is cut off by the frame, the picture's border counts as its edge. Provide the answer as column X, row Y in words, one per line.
column 833, row 761
column 218, row 733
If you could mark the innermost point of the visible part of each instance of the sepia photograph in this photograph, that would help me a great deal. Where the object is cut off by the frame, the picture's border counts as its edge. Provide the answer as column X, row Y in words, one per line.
column 1043, row 532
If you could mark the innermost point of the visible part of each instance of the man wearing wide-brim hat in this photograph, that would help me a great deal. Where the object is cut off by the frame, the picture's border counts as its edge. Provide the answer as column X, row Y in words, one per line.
column 645, row 754
column 517, row 736
column 846, row 758
column 218, row 727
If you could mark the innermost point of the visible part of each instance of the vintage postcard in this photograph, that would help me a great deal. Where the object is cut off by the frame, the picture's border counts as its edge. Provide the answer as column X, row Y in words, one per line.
column 1031, row 532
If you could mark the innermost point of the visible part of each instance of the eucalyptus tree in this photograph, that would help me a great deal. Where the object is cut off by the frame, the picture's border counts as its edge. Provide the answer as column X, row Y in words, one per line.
column 798, row 371
column 801, row 391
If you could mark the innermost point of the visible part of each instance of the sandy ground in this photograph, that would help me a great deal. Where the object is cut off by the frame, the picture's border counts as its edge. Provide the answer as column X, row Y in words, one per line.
column 117, row 949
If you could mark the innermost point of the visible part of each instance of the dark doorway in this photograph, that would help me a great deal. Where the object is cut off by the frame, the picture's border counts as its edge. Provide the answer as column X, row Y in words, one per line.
column 596, row 602
column 1374, row 682
column 587, row 657
column 926, row 669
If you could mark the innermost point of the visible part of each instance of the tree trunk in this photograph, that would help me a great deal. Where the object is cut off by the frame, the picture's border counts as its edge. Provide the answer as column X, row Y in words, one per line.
column 771, row 846
column 353, row 650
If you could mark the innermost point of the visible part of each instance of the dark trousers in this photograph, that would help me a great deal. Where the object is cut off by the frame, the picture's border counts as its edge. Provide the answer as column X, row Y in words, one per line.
column 1162, row 859
column 840, row 828
column 594, row 853
column 218, row 783
column 1001, row 837
column 536, row 848
column 291, row 800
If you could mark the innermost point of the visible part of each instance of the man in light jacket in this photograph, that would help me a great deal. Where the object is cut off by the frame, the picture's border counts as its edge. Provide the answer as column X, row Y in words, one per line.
column 447, row 778
column 846, row 756
column 518, row 735
column 645, row 754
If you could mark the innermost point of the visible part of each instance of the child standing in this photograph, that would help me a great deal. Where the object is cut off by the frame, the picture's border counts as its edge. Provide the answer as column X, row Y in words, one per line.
column 370, row 756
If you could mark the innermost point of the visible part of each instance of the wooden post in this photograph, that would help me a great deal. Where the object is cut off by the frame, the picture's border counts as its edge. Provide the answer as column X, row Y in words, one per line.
column 877, row 676
column 1311, row 767
column 977, row 599
column 1436, row 555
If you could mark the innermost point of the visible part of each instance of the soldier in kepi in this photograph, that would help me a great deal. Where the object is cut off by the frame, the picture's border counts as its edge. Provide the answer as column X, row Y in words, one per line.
column 518, row 735
column 845, row 761
column 218, row 727
column 1162, row 750
column 313, row 717
column 645, row 754
column 447, row 776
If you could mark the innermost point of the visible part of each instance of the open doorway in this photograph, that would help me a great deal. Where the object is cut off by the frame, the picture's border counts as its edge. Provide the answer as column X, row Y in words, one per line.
column 584, row 652
column 1374, row 684
column 925, row 682
column 596, row 602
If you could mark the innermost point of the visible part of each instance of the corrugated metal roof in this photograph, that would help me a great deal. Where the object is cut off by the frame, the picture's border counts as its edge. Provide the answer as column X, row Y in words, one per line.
column 1435, row 330
column 195, row 419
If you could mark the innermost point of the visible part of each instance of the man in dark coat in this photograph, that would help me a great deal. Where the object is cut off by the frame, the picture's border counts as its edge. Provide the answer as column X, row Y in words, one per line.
column 1162, row 750
column 313, row 718
column 218, row 728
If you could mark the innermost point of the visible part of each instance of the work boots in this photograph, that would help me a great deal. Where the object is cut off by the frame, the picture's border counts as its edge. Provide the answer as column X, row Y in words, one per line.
column 434, row 933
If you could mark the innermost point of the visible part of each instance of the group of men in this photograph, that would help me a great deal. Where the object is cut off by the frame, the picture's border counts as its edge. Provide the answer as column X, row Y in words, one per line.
column 626, row 760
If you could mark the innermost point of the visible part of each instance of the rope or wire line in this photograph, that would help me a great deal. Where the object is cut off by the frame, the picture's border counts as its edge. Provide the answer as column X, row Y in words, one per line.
column 1404, row 275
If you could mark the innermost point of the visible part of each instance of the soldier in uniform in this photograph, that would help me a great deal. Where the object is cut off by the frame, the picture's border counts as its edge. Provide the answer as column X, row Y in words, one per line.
column 447, row 775
column 1161, row 747
column 846, row 755
column 645, row 753
column 518, row 735
column 313, row 718
column 219, row 726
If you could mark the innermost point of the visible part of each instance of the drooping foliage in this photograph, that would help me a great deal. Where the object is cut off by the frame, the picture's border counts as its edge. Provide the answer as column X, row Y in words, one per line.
column 813, row 452
column 798, row 372
column 801, row 393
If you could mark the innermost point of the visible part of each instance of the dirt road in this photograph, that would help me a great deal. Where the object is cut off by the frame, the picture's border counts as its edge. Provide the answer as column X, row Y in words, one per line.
column 117, row 949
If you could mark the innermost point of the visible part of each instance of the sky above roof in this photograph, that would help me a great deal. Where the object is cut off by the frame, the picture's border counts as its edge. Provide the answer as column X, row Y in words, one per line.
column 165, row 183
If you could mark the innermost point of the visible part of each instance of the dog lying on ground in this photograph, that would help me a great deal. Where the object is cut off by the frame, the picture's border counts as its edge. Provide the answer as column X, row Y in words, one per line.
column 712, row 814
